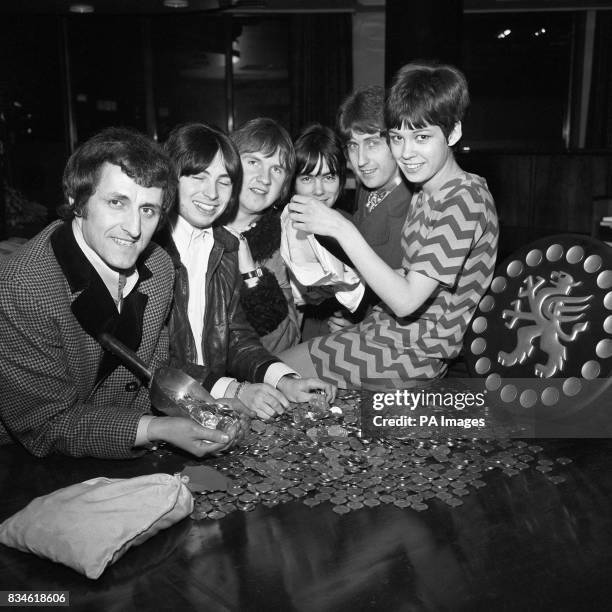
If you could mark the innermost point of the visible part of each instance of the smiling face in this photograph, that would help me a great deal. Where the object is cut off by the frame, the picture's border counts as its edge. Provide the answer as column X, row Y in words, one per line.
column 203, row 197
column 320, row 184
column 120, row 218
column 424, row 155
column 371, row 160
column 262, row 182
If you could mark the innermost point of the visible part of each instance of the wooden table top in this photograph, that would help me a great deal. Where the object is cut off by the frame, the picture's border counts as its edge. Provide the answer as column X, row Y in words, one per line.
column 520, row 542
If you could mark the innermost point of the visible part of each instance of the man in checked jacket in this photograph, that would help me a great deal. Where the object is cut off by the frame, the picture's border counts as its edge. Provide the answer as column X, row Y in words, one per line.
column 94, row 271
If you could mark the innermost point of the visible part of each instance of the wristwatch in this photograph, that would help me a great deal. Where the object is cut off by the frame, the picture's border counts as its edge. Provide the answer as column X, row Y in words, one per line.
column 257, row 272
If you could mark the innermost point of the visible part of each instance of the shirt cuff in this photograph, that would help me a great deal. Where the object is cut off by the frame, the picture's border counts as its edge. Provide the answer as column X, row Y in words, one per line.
column 352, row 298
column 276, row 371
column 219, row 389
column 141, row 432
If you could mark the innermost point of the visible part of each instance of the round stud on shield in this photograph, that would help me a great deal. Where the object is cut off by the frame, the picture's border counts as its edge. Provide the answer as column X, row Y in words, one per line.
column 541, row 336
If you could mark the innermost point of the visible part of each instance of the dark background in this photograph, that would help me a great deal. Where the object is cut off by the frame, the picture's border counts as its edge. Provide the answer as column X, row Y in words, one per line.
column 539, row 127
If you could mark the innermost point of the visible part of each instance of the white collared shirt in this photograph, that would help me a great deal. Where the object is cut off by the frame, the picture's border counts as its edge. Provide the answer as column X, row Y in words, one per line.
column 195, row 246
column 109, row 277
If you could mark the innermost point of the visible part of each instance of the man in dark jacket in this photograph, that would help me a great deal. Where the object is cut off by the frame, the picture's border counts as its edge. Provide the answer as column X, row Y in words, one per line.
column 95, row 272
column 210, row 337
column 382, row 197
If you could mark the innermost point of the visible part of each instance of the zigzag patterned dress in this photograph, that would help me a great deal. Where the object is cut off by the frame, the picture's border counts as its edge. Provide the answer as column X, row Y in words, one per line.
column 450, row 236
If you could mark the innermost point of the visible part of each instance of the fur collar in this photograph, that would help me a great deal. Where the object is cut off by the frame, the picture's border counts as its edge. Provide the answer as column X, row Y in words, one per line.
column 264, row 237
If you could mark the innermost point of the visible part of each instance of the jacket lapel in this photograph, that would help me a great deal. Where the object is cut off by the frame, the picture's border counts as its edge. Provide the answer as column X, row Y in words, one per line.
column 93, row 306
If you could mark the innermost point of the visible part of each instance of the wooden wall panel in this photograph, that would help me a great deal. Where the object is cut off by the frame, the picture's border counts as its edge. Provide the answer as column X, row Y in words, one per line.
column 602, row 176
column 416, row 30
column 539, row 195
column 563, row 192
column 509, row 179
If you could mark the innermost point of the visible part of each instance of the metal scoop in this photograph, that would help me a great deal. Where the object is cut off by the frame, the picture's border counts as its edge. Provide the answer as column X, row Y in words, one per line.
column 167, row 386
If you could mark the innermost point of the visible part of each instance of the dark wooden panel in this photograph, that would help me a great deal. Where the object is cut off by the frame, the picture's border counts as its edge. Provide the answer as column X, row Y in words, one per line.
column 563, row 190
column 602, row 176
column 509, row 180
column 415, row 30
column 539, row 194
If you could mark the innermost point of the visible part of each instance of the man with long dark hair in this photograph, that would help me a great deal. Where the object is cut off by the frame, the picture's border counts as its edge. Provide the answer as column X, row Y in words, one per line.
column 96, row 271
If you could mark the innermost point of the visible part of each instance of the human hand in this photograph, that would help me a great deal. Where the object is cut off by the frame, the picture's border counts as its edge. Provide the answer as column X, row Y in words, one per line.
column 263, row 399
column 243, row 422
column 337, row 322
column 246, row 263
column 188, row 435
column 310, row 215
column 301, row 389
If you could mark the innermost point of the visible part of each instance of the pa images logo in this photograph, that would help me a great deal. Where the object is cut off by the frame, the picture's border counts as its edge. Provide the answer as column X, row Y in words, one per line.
column 542, row 335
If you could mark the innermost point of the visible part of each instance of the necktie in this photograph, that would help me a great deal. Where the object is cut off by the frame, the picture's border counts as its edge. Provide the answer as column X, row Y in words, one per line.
column 120, row 286
column 375, row 198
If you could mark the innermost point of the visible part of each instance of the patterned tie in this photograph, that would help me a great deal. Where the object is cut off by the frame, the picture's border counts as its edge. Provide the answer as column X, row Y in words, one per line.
column 375, row 198
column 120, row 286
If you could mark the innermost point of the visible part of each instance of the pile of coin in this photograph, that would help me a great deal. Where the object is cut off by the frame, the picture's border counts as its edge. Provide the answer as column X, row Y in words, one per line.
column 211, row 415
column 315, row 455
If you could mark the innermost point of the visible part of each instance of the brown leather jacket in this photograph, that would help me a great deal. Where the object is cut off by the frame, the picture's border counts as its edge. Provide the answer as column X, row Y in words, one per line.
column 230, row 346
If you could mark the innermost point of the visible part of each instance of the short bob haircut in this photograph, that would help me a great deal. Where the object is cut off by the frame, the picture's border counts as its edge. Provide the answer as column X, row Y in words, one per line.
column 362, row 111
column 193, row 146
column 266, row 136
column 137, row 155
column 427, row 93
column 318, row 142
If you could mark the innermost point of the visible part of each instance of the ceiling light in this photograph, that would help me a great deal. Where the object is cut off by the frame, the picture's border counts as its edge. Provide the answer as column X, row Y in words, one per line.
column 176, row 4
column 81, row 8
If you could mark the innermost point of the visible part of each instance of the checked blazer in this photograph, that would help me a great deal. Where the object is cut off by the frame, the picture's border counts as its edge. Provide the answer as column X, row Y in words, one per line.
column 59, row 391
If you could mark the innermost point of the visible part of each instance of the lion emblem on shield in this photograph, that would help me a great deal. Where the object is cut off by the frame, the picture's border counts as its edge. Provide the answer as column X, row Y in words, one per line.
column 550, row 307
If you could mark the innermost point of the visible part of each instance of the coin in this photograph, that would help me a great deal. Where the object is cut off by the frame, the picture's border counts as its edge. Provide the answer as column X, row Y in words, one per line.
column 263, row 487
column 402, row 503
column 216, row 515
column 338, row 499
column 203, row 506
column 297, row 491
column 280, row 462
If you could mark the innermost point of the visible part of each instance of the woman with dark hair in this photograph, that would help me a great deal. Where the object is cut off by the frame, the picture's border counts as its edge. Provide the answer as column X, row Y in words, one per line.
column 210, row 337
column 268, row 162
column 321, row 175
column 318, row 153
column 449, row 245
